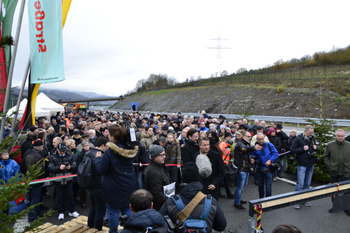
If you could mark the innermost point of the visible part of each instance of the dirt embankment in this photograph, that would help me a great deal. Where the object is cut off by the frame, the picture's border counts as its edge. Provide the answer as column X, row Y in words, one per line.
column 257, row 100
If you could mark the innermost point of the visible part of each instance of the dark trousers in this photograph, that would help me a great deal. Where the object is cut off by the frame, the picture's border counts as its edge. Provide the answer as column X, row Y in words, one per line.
column 64, row 193
column 35, row 196
column 172, row 170
column 97, row 209
column 336, row 178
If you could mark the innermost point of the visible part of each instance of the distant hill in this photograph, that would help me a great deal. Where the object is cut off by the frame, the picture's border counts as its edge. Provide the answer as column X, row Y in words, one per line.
column 67, row 95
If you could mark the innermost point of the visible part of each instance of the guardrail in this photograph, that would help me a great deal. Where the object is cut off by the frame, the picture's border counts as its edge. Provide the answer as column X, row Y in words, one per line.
column 282, row 119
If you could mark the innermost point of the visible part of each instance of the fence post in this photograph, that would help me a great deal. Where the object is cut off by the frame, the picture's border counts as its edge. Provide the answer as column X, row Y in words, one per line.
column 251, row 226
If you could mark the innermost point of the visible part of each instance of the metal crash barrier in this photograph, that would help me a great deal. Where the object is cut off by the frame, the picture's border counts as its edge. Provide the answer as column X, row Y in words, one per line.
column 287, row 199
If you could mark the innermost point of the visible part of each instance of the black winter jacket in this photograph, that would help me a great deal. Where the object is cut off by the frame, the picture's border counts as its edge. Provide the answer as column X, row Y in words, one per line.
column 304, row 158
column 216, row 219
column 188, row 152
column 55, row 161
column 217, row 174
column 32, row 158
column 156, row 178
column 276, row 141
column 242, row 155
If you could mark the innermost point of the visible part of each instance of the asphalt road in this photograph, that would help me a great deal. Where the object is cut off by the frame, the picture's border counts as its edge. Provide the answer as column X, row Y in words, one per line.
column 307, row 219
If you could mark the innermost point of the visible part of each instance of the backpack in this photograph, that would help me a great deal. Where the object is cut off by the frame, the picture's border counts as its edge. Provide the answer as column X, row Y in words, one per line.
column 184, row 221
column 85, row 174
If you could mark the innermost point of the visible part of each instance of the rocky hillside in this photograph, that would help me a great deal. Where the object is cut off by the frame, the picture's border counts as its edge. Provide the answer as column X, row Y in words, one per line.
column 239, row 99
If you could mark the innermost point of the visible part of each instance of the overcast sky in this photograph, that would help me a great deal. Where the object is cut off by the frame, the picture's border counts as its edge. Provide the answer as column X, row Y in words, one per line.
column 110, row 44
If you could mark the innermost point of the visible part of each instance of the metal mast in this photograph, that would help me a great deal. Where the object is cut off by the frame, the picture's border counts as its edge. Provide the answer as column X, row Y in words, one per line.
column 218, row 50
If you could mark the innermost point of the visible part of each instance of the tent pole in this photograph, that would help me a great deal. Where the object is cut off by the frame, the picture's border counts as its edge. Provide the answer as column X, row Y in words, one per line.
column 21, row 93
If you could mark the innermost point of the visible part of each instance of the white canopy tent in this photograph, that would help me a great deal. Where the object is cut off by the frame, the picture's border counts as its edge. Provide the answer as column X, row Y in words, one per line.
column 22, row 107
column 44, row 102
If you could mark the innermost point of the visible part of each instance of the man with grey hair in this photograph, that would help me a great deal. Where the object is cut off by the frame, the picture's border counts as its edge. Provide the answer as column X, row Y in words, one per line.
column 304, row 147
column 92, row 136
column 85, row 138
column 336, row 156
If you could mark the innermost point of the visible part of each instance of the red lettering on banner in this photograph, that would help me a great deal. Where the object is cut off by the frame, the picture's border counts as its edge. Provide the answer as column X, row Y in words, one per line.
column 39, row 26
column 42, row 48
column 41, row 13
column 37, row 5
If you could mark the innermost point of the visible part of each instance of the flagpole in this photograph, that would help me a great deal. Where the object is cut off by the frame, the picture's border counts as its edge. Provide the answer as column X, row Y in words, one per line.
column 14, row 121
column 12, row 65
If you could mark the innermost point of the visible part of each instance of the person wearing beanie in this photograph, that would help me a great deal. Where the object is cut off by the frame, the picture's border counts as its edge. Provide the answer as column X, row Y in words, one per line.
column 190, row 175
column 156, row 176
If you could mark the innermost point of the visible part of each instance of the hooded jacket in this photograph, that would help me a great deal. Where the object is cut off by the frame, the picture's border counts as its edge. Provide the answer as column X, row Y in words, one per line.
column 8, row 169
column 147, row 140
column 216, row 219
column 139, row 221
column 118, row 174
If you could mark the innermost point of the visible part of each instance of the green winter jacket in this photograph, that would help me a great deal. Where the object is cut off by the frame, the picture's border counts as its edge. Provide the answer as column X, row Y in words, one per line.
column 336, row 158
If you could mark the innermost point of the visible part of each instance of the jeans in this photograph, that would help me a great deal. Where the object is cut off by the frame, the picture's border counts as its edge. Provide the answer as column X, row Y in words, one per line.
column 97, row 209
column 242, row 181
column 64, row 192
column 140, row 179
column 265, row 181
column 113, row 217
column 35, row 196
column 304, row 177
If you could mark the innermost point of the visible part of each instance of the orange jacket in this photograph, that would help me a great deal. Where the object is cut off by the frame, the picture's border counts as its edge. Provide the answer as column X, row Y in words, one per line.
column 226, row 151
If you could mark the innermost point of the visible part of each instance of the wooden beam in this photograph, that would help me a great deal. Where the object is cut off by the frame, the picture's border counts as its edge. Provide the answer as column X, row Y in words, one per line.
column 291, row 198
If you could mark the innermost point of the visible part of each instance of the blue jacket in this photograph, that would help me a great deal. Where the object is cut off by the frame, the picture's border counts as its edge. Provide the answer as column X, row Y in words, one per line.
column 205, row 129
column 265, row 154
column 118, row 174
column 8, row 169
column 146, row 218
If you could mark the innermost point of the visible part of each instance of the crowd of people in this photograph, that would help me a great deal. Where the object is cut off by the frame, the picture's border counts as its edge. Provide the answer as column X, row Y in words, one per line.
column 170, row 154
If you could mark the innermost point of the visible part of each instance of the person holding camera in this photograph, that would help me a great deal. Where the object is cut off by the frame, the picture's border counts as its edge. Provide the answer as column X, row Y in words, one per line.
column 304, row 147
column 63, row 164
column 263, row 168
column 144, row 216
column 242, row 155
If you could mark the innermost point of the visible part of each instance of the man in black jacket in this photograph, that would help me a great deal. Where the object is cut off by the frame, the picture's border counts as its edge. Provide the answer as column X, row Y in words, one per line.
column 62, row 164
column 211, row 168
column 216, row 219
column 304, row 146
column 34, row 158
column 191, row 147
column 243, row 160
column 156, row 176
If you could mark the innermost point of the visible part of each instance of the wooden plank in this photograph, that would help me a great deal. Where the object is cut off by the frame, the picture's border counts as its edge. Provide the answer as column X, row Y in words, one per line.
column 91, row 230
column 48, row 229
column 57, row 230
column 82, row 217
column 73, row 229
column 81, row 230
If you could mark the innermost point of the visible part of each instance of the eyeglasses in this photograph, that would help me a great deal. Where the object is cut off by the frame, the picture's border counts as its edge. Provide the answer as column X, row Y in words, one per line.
column 248, row 136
